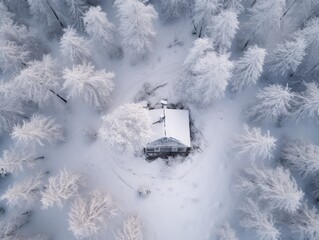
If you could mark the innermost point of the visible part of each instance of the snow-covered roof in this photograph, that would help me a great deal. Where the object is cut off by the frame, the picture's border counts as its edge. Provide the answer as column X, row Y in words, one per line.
column 171, row 123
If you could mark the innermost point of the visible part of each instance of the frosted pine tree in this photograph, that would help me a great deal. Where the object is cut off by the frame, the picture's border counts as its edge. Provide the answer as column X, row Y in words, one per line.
column 275, row 188
column 93, row 86
column 74, row 47
column 234, row 5
column 24, row 193
column 136, row 26
column 263, row 22
column 203, row 11
column 77, row 8
column 89, row 217
column 132, row 229
column 127, row 129
column 272, row 104
column 306, row 106
column 305, row 223
column 248, row 68
column 254, row 145
column 101, row 30
column 12, row 226
column 301, row 156
column 39, row 81
column 39, row 130
column 222, row 30
column 286, row 57
column 258, row 220
column 225, row 232
column 173, row 9
column 12, row 57
column 60, row 188
column 15, row 160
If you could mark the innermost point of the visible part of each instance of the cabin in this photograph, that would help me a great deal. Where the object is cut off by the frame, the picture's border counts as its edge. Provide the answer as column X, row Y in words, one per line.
column 171, row 132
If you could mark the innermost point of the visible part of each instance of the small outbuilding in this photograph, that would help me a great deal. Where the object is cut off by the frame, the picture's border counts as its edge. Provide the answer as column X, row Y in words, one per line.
column 171, row 132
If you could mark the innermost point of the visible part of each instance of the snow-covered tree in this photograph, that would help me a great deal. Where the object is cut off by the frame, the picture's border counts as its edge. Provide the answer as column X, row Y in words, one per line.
column 305, row 223
column 132, row 229
column 307, row 104
column 258, row 220
column 248, row 68
column 27, row 237
column 206, row 80
column 11, row 112
column 77, row 8
column 12, row 226
column 127, row 129
column 89, row 217
column 172, row 9
column 271, row 104
column 12, row 57
column 60, row 188
column 16, row 159
column 39, row 81
column 136, row 26
column 222, row 30
column 101, row 30
column 286, row 57
column 225, row 232
column 6, row 16
column 203, row 11
column 94, row 86
column 254, row 145
column 234, row 5
column 274, row 187
column 39, row 130
column 263, row 22
column 74, row 47
column 301, row 156
column 24, row 193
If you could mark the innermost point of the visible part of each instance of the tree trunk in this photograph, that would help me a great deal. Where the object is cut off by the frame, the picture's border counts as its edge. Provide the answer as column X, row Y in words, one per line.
column 288, row 9
column 63, row 99
column 38, row 158
column 253, row 3
column 55, row 14
column 200, row 31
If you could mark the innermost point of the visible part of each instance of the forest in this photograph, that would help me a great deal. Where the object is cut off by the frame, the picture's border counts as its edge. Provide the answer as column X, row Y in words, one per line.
column 74, row 77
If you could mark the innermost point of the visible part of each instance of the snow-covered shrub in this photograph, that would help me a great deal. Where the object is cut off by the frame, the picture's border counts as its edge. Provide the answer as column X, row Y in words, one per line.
column 225, row 232
column 136, row 26
column 89, row 217
column 38, row 130
column 274, row 187
column 271, row 104
column 172, row 9
column 12, row 226
column 203, row 11
column 16, row 159
column 60, row 188
column 307, row 104
column 127, row 128
column 39, row 81
column 101, row 30
column 132, row 229
column 222, row 30
column 77, row 8
column 263, row 22
column 206, row 75
column 258, row 220
column 301, row 156
column 24, row 193
column 12, row 57
column 254, row 145
column 248, row 68
column 74, row 47
column 305, row 223
column 94, row 86
column 286, row 57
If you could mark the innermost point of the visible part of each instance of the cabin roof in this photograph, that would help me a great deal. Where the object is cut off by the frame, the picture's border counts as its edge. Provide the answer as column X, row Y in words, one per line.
column 171, row 123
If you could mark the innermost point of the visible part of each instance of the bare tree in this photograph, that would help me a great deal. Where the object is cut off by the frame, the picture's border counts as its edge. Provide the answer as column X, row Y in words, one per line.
column 260, row 221
column 38, row 130
column 132, row 229
column 89, row 217
column 60, row 188
column 254, row 145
